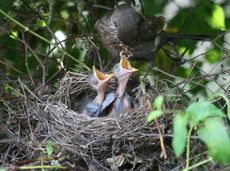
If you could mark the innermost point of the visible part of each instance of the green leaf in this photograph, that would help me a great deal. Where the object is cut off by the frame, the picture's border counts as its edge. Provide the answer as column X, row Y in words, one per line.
column 217, row 19
column 14, row 34
column 158, row 102
column 226, row 99
column 153, row 115
column 6, row 5
column 64, row 14
column 50, row 147
column 151, row 8
column 55, row 163
column 215, row 136
column 182, row 50
column 40, row 23
column 179, row 133
column 199, row 111
column 213, row 56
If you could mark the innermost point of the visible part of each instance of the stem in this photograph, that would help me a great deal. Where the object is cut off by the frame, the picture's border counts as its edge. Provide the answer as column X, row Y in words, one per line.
column 198, row 164
column 188, row 149
column 226, row 100
column 163, row 150
column 24, row 27
column 44, row 39
column 41, row 167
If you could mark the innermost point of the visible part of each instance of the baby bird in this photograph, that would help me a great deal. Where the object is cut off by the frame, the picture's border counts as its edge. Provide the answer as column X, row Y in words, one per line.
column 122, row 72
column 120, row 101
column 98, row 81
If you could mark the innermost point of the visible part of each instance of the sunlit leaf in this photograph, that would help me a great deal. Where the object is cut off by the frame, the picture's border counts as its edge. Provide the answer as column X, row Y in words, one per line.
column 153, row 115
column 215, row 136
column 70, row 4
column 213, row 56
column 199, row 111
column 41, row 23
column 14, row 34
column 50, row 147
column 64, row 14
column 217, row 19
column 158, row 102
column 182, row 72
column 226, row 99
column 183, row 50
column 179, row 133
column 45, row 14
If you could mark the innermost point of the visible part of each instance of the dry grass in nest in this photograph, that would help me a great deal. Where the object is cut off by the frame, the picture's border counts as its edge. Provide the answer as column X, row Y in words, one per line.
column 117, row 141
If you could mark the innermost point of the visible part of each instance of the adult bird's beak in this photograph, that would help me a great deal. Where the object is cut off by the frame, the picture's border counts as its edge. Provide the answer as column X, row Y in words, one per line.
column 101, row 77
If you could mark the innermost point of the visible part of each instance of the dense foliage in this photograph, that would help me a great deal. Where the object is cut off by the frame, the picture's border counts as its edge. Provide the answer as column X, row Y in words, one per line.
column 40, row 41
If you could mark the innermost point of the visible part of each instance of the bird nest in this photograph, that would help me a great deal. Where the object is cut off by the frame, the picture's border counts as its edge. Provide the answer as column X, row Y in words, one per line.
column 117, row 141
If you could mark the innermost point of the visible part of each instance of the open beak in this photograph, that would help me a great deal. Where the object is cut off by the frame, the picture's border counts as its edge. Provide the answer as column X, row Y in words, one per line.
column 125, row 65
column 101, row 77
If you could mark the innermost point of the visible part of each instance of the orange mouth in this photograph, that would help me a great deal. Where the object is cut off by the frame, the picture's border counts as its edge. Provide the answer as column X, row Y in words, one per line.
column 101, row 76
column 124, row 63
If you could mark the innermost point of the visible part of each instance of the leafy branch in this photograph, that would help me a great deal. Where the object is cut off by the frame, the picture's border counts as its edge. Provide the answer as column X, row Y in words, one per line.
column 210, row 126
column 44, row 39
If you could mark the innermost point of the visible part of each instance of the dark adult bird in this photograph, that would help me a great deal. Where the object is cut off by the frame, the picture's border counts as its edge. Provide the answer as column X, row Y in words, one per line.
column 98, row 81
column 124, row 28
column 120, row 100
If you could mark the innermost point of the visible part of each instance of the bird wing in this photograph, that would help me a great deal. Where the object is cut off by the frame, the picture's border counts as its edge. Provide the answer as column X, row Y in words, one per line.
column 109, row 99
column 129, row 99
column 118, row 105
column 123, row 103
column 93, row 109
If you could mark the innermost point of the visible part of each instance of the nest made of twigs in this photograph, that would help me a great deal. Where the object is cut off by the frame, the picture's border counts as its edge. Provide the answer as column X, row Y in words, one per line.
column 117, row 141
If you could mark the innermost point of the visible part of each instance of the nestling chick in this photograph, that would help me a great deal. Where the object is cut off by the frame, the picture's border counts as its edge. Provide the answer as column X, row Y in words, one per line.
column 98, row 81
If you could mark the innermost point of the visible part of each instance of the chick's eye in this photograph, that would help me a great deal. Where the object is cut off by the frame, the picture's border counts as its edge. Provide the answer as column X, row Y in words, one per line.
column 92, row 80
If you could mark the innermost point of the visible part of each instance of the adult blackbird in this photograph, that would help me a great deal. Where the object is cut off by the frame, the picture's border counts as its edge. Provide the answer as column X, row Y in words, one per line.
column 124, row 28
